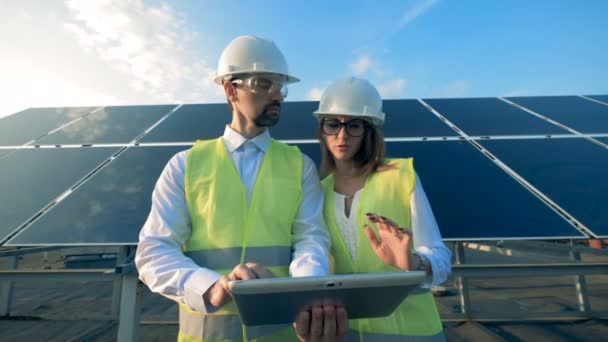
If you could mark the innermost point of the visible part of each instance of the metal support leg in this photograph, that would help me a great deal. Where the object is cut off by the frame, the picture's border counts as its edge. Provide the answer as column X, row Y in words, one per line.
column 463, row 283
column 6, row 288
column 120, row 259
column 128, row 325
column 580, row 283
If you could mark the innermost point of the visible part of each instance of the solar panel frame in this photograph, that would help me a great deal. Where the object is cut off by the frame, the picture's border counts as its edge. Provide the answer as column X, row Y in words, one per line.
column 415, row 126
column 602, row 98
column 109, row 209
column 191, row 122
column 575, row 112
column 569, row 171
column 33, row 123
column 113, row 124
column 48, row 173
column 409, row 118
column 491, row 117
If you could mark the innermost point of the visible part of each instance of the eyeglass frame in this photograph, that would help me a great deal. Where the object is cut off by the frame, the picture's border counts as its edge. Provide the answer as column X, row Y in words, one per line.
column 345, row 125
column 279, row 86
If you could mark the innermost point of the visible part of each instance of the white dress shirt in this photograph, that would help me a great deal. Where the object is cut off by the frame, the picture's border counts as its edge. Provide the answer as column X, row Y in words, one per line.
column 166, row 270
column 427, row 239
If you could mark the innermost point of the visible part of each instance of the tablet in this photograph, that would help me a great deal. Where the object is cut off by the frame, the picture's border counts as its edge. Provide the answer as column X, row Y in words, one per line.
column 364, row 295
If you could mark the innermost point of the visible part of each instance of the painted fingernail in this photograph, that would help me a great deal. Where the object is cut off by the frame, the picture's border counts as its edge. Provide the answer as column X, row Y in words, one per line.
column 369, row 214
column 382, row 218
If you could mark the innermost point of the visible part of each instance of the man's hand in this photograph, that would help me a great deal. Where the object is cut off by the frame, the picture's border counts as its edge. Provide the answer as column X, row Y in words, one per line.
column 323, row 323
column 218, row 295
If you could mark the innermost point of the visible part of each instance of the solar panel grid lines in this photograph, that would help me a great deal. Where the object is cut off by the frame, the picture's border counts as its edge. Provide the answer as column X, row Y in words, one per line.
column 559, row 124
column 178, row 128
column 574, row 112
column 601, row 99
column 536, row 192
column 486, row 116
column 444, row 119
column 577, row 133
column 109, row 209
column 62, row 196
column 563, row 213
column 570, row 172
column 113, row 124
column 153, row 126
column 189, row 123
column 16, row 129
column 410, row 119
column 48, row 175
column 71, row 122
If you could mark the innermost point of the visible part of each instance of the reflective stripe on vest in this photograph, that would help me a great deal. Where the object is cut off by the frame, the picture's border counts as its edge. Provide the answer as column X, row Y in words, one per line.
column 221, row 327
column 227, row 258
column 386, row 193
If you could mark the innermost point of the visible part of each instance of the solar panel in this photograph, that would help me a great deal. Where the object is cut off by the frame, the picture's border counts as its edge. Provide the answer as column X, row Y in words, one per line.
column 4, row 152
column 191, row 122
column 110, row 208
column 491, row 116
column 472, row 198
column 109, row 125
column 409, row 118
column 27, row 125
column 575, row 112
column 572, row 172
column 32, row 178
column 296, row 121
column 603, row 98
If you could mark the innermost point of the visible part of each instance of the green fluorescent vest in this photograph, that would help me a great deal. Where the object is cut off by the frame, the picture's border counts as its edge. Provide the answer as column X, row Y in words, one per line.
column 385, row 193
column 225, row 232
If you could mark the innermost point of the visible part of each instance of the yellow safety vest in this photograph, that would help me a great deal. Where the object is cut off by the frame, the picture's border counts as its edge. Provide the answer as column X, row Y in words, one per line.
column 225, row 232
column 386, row 193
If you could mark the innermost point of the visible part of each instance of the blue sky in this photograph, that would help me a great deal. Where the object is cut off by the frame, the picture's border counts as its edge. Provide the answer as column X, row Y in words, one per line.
column 69, row 53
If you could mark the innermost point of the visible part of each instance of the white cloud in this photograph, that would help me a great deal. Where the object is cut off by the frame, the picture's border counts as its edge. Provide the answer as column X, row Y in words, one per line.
column 460, row 88
column 412, row 13
column 362, row 65
column 151, row 45
column 392, row 89
column 100, row 53
column 314, row 94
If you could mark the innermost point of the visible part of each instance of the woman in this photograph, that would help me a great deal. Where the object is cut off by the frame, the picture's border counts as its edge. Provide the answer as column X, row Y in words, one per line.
column 376, row 210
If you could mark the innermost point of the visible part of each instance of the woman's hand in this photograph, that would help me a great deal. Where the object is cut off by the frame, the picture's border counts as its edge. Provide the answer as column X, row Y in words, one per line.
column 393, row 244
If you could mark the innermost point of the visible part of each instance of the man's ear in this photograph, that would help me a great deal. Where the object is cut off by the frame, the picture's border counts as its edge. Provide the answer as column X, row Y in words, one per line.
column 230, row 91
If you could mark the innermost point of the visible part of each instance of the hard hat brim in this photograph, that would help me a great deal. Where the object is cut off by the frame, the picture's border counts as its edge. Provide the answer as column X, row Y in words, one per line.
column 288, row 78
column 376, row 121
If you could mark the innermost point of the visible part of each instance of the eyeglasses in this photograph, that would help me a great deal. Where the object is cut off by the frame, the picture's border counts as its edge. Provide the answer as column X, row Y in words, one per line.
column 354, row 128
column 262, row 85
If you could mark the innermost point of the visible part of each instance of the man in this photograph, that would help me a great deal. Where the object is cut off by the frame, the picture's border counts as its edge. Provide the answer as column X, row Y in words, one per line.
column 242, row 206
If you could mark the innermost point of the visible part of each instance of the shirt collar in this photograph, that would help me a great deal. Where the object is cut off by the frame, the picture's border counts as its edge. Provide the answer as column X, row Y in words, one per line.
column 234, row 139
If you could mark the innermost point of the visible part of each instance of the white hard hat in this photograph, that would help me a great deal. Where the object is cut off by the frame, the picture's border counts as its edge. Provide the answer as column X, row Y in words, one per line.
column 354, row 97
column 249, row 55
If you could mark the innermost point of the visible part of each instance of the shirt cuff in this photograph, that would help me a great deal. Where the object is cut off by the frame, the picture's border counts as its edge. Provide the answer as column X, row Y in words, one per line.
column 438, row 276
column 196, row 286
column 308, row 266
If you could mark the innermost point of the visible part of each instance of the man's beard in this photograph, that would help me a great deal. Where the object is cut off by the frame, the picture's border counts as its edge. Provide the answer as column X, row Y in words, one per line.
column 264, row 119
